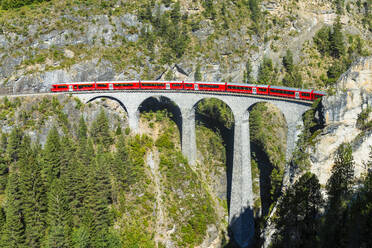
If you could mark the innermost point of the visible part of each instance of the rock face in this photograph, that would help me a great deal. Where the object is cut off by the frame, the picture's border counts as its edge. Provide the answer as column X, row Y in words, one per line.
column 353, row 94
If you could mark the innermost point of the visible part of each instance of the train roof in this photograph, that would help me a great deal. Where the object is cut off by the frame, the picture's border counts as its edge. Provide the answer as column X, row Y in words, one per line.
column 249, row 85
column 289, row 88
column 319, row 92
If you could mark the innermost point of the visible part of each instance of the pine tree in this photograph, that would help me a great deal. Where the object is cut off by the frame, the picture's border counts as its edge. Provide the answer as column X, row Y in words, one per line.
column 197, row 75
column 288, row 61
column 33, row 193
column 100, row 130
column 14, row 227
column 337, row 46
column 51, row 157
column 176, row 13
column 14, row 142
column 83, row 131
column 58, row 215
column 297, row 223
column 339, row 188
column 321, row 40
column 267, row 72
column 247, row 78
column 97, row 200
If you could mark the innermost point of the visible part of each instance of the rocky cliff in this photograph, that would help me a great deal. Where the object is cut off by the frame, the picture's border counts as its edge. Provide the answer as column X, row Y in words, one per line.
column 341, row 112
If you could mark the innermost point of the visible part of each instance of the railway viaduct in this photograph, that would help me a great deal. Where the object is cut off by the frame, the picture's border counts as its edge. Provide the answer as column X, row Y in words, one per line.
column 241, row 199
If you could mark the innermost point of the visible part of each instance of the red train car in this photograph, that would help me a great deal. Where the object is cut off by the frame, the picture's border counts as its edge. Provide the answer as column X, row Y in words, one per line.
column 152, row 85
column 284, row 92
column 126, row 85
column 61, row 87
column 189, row 86
column 239, row 88
column 83, row 86
column 209, row 86
column 176, row 85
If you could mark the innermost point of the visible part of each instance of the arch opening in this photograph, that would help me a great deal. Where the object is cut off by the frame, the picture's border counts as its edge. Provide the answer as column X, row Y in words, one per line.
column 214, row 124
column 268, row 137
column 156, row 103
column 111, row 98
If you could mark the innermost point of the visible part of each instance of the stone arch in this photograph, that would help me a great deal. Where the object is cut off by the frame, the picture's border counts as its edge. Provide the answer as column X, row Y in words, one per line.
column 264, row 165
column 158, row 102
column 111, row 98
column 227, row 136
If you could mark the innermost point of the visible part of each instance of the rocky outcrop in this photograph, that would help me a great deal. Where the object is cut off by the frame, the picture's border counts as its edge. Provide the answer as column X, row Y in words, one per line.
column 341, row 110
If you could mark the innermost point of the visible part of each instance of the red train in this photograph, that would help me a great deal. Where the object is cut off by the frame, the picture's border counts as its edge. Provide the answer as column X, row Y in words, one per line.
column 279, row 91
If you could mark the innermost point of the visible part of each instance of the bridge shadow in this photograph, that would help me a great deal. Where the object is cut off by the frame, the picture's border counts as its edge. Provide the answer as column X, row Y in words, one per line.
column 227, row 135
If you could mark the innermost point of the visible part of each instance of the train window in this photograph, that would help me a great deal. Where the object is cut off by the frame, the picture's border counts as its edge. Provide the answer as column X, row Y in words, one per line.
column 146, row 84
column 101, row 85
column 122, row 85
column 317, row 96
column 209, row 86
column 85, row 86
column 188, row 85
column 177, row 85
column 305, row 94
column 262, row 90
column 239, row 88
column 62, row 87
column 282, row 91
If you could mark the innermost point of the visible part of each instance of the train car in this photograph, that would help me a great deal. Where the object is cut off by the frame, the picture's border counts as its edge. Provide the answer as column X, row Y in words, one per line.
column 210, row 86
column 306, row 94
column 153, row 85
column 317, row 94
column 239, row 88
column 104, row 86
column 83, row 86
column 261, row 89
column 284, row 92
column 61, row 87
column 126, row 85
column 176, row 85
column 189, row 86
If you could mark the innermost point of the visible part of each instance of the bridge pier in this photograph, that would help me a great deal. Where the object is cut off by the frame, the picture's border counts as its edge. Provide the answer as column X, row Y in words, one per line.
column 133, row 119
column 188, row 137
column 241, row 221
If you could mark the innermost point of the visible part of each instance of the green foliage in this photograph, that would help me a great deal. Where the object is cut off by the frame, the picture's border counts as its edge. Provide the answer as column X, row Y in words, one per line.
column 197, row 75
column 267, row 73
column 216, row 110
column 297, row 221
column 363, row 121
column 339, row 189
column 288, row 61
column 100, row 130
column 12, row 4
column 321, row 40
column 247, row 77
column 337, row 46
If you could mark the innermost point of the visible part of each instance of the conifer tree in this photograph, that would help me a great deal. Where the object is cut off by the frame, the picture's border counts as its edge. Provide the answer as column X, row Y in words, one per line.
column 14, row 227
column 33, row 193
column 83, row 131
column 297, row 223
column 288, row 61
column 197, row 75
column 58, row 216
column 267, row 72
column 337, row 46
column 51, row 157
column 247, row 78
column 14, row 142
column 100, row 130
column 338, row 187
